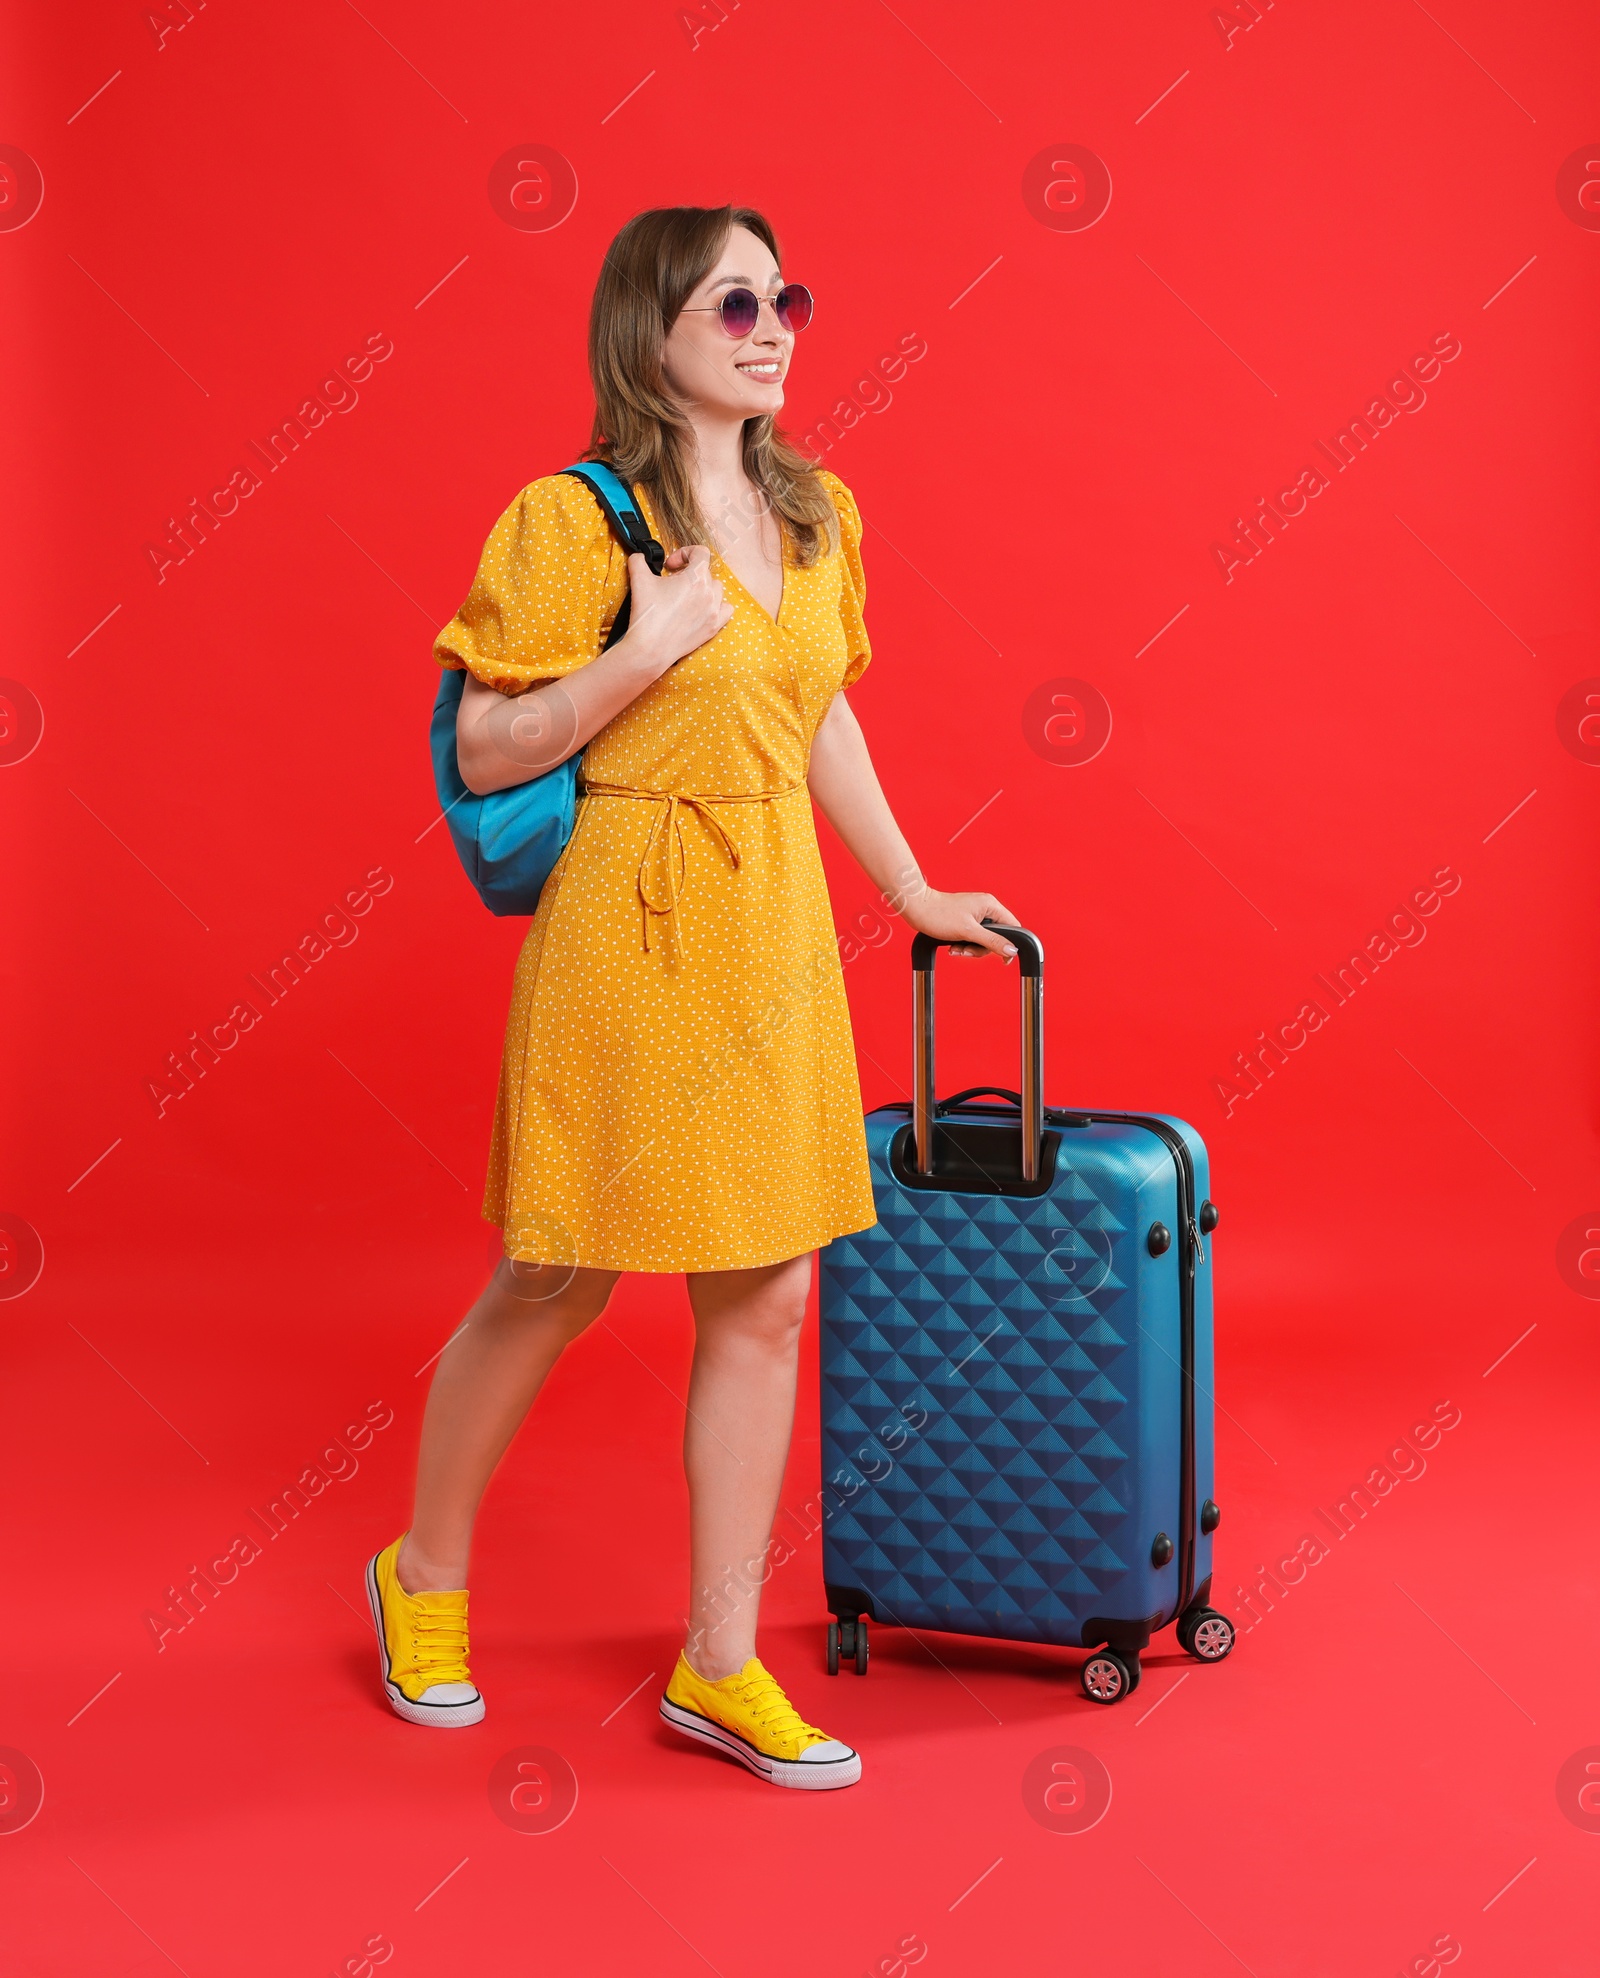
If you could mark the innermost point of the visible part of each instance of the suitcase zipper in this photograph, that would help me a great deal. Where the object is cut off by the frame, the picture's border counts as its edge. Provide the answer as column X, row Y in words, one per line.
column 1190, row 1252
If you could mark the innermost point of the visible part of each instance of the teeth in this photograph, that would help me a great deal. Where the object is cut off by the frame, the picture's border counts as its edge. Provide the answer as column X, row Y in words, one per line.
column 759, row 370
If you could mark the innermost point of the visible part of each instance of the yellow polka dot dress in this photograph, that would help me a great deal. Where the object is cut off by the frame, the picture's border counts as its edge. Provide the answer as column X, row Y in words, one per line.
column 679, row 1088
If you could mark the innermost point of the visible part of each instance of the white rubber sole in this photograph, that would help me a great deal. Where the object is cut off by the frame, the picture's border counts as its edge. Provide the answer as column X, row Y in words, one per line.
column 444, row 1716
column 817, row 1775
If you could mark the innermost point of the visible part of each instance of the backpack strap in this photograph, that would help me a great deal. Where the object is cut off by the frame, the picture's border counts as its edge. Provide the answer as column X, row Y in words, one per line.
column 620, row 509
column 628, row 525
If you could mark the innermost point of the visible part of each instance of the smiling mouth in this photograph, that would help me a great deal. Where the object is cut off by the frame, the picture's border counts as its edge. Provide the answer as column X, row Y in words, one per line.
column 769, row 372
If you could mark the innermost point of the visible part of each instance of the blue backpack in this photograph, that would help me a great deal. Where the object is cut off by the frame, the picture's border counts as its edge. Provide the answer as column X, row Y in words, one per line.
column 510, row 840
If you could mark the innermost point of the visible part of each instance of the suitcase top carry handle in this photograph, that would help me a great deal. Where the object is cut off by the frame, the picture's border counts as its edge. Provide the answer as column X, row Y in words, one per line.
column 1030, row 959
column 978, row 1092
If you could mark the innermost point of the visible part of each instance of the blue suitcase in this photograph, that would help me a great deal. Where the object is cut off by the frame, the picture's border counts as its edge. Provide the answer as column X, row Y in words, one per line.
column 1017, row 1431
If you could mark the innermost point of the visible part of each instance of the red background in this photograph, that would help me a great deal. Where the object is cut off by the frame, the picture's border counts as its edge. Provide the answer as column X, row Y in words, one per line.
column 1309, row 204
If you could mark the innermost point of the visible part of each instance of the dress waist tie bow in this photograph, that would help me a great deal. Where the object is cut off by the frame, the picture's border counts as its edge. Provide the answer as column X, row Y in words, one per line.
column 666, row 859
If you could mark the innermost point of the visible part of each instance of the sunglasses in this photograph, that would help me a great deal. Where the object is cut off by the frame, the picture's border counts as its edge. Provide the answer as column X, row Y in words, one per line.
column 740, row 308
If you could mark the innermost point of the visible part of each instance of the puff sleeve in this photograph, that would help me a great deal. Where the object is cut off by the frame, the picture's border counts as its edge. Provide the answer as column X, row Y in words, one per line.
column 852, row 581
column 550, row 580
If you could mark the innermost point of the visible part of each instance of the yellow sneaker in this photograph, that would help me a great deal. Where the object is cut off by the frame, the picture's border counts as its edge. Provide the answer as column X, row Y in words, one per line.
column 422, row 1648
column 751, row 1719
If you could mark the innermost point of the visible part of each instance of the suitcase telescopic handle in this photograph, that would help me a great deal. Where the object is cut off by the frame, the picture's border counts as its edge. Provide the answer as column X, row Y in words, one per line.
column 1030, row 961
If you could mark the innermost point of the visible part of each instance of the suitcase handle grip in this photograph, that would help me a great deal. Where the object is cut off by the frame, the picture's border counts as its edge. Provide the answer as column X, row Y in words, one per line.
column 1030, row 949
column 1030, row 956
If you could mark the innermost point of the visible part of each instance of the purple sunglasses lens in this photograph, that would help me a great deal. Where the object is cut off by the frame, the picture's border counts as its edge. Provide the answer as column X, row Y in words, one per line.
column 794, row 306
column 739, row 310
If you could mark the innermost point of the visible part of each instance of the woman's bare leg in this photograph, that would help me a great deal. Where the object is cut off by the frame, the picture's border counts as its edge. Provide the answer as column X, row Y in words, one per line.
column 483, row 1386
column 735, row 1445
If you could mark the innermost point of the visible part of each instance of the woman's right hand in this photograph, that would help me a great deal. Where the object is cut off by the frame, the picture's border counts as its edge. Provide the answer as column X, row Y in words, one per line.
column 678, row 611
column 503, row 740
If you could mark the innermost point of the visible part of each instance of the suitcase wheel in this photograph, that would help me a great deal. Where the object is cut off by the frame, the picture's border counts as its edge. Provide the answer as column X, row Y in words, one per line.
column 1205, row 1634
column 847, row 1638
column 1110, row 1674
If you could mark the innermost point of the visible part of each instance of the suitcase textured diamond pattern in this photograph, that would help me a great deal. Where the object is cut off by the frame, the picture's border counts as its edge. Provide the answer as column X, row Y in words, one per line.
column 1007, row 1321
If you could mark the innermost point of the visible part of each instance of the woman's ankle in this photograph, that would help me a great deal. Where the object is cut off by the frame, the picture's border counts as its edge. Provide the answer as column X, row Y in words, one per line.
column 419, row 1574
column 714, row 1664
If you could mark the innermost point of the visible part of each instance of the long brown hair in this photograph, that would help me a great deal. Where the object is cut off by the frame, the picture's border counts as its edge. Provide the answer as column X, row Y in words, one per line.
column 651, row 269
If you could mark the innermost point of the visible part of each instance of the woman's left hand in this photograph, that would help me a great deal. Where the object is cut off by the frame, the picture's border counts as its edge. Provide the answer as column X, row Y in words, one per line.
column 958, row 917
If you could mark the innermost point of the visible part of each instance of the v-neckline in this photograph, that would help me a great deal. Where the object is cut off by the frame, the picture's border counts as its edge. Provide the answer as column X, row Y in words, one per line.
column 775, row 618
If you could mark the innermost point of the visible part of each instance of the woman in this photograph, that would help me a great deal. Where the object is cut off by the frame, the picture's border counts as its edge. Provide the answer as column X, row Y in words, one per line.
column 679, row 1088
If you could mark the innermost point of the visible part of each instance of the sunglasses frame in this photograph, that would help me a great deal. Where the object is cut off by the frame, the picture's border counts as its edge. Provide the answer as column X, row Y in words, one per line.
column 719, row 308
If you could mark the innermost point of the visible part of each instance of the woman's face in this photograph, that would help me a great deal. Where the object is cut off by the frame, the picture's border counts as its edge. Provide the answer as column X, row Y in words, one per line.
column 741, row 377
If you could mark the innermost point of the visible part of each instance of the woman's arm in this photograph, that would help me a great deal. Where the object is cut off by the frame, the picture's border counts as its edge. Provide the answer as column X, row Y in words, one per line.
column 845, row 788
column 503, row 740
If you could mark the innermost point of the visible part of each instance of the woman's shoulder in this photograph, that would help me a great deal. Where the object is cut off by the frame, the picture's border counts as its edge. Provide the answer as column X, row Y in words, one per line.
column 844, row 503
column 563, row 509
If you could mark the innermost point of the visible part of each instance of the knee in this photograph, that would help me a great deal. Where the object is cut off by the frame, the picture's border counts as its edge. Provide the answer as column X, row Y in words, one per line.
column 771, row 1327
column 557, row 1295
